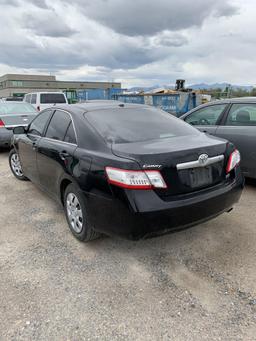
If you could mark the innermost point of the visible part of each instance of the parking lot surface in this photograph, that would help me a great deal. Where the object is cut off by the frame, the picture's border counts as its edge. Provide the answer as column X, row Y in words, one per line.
column 198, row 284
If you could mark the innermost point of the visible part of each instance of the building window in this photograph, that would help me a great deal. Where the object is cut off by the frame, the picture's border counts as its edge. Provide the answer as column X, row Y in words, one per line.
column 17, row 84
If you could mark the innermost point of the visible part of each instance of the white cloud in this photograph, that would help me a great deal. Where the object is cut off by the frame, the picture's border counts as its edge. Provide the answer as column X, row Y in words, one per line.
column 138, row 43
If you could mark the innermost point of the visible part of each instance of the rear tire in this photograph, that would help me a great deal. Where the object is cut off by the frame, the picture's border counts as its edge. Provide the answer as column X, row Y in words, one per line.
column 76, row 215
column 15, row 165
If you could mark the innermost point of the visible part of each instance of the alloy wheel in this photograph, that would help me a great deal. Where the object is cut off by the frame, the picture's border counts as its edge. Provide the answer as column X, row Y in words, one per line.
column 74, row 212
column 16, row 166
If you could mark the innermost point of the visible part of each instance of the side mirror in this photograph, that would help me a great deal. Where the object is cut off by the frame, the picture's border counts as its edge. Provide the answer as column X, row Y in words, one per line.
column 19, row 130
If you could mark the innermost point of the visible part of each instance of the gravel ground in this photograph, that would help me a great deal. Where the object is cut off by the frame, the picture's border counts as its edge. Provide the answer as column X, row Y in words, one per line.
column 198, row 284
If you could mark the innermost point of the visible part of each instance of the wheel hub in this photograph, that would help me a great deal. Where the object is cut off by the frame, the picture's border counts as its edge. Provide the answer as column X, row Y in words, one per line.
column 74, row 212
column 16, row 166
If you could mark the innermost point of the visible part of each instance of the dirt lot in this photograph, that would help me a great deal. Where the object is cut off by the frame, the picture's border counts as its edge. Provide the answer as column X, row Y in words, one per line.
column 199, row 284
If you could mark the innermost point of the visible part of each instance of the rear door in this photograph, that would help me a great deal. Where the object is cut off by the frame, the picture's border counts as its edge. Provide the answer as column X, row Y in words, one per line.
column 240, row 128
column 206, row 119
column 56, row 150
column 28, row 144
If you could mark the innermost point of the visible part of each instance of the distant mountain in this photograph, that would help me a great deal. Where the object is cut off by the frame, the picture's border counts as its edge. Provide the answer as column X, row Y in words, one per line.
column 198, row 86
column 219, row 86
column 141, row 88
column 149, row 88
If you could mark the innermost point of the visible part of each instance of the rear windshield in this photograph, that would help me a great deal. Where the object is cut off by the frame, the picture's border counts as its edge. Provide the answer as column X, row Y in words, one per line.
column 125, row 125
column 12, row 108
column 52, row 98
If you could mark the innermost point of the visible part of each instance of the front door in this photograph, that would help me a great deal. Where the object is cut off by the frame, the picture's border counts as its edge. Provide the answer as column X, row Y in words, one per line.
column 240, row 129
column 28, row 144
column 56, row 152
column 206, row 118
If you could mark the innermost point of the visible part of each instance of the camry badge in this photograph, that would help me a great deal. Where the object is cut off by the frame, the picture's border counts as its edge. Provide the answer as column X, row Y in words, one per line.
column 152, row 166
column 203, row 159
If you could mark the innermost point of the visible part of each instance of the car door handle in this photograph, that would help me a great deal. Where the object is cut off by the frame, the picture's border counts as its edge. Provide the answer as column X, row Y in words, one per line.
column 64, row 155
column 34, row 146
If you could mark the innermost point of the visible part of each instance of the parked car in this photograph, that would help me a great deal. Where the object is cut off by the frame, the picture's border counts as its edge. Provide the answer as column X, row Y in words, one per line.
column 13, row 114
column 232, row 119
column 126, row 169
column 44, row 100
column 14, row 99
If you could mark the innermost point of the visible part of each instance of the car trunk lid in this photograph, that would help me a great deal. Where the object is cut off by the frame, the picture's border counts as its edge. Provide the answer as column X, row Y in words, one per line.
column 17, row 119
column 178, row 161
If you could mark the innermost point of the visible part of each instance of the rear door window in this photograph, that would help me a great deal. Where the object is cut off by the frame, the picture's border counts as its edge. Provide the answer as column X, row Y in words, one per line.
column 52, row 98
column 58, row 125
column 242, row 115
column 38, row 125
column 206, row 116
column 70, row 136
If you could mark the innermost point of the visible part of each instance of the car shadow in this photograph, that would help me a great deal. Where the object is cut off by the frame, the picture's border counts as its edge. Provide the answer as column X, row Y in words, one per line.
column 4, row 150
column 250, row 182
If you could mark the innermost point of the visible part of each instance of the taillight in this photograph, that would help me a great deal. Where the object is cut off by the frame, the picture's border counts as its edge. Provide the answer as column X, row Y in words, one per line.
column 233, row 161
column 135, row 179
column 1, row 123
column 38, row 108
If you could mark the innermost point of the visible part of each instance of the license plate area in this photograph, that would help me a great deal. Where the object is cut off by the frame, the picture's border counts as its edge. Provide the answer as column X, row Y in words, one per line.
column 196, row 177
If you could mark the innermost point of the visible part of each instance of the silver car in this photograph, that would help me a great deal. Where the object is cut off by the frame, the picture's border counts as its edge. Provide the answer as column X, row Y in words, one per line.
column 13, row 114
column 233, row 119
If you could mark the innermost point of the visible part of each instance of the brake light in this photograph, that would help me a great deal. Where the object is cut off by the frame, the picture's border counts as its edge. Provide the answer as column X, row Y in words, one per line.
column 135, row 179
column 233, row 161
column 1, row 123
column 38, row 108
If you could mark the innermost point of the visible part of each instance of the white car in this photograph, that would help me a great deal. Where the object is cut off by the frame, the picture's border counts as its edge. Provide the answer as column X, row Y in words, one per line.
column 43, row 100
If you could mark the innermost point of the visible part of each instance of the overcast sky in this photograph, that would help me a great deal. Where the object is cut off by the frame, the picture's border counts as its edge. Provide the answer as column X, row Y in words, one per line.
column 140, row 43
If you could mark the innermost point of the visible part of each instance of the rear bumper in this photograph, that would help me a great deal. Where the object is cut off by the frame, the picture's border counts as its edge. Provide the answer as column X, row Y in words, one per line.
column 5, row 137
column 145, row 214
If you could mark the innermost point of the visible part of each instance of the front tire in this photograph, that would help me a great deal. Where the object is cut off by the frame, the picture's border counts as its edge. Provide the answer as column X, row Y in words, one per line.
column 15, row 165
column 76, row 215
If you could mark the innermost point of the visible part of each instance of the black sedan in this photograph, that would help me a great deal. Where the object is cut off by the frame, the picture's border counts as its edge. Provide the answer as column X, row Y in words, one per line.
column 233, row 119
column 126, row 169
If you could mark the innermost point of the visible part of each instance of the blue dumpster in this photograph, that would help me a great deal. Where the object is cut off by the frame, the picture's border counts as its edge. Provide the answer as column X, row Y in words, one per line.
column 176, row 103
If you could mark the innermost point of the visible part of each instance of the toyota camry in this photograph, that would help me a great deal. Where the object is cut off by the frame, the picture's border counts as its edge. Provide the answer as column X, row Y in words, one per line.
column 126, row 169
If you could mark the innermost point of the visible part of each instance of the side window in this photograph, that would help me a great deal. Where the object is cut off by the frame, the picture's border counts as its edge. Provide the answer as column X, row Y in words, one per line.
column 206, row 116
column 37, row 126
column 70, row 134
column 28, row 98
column 58, row 125
column 242, row 115
column 33, row 99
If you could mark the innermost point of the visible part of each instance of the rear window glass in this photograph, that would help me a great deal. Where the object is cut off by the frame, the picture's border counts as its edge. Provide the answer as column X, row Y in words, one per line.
column 125, row 125
column 52, row 98
column 12, row 108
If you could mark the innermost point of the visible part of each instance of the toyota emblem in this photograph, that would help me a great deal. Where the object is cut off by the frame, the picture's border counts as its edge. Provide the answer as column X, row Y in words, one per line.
column 203, row 159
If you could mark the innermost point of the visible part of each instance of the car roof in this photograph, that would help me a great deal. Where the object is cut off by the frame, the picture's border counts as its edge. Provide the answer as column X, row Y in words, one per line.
column 233, row 100
column 97, row 105
column 243, row 100
column 13, row 102
column 45, row 92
